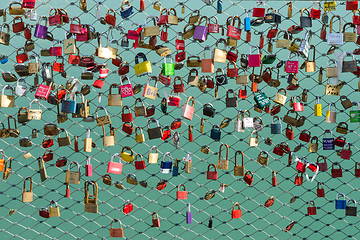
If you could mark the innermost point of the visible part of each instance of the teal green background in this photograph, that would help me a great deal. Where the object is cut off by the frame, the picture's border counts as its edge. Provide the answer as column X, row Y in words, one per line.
column 256, row 222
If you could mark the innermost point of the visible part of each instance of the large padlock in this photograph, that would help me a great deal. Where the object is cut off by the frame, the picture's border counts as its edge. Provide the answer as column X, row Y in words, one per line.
column 103, row 120
column 231, row 101
column 91, row 205
column 153, row 30
column 72, row 176
column 220, row 54
column 335, row 38
column 127, row 11
column 305, row 21
column 144, row 67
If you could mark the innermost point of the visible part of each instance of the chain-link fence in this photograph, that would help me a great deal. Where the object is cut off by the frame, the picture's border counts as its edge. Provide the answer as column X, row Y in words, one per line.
column 257, row 221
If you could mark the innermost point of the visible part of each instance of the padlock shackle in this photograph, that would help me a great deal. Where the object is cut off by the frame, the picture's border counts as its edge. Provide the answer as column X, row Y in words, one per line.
column 242, row 158
column 213, row 165
column 31, row 183
column 76, row 163
column 331, row 23
column 227, row 151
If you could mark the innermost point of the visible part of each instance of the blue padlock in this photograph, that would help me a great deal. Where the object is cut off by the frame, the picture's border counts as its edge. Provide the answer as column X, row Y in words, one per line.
column 165, row 166
column 328, row 143
column 175, row 170
column 276, row 128
column 69, row 106
column 126, row 11
column 215, row 132
column 340, row 204
column 247, row 21
column 219, row 6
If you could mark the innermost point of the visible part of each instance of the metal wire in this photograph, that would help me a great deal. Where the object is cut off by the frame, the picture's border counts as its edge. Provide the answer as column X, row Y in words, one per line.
column 256, row 222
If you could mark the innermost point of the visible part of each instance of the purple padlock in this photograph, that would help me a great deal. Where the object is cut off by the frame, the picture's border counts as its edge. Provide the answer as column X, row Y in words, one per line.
column 201, row 31
column 40, row 30
column 188, row 215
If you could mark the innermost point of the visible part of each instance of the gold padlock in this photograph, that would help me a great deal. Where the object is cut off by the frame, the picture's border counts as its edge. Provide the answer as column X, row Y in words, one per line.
column 254, row 141
column 73, row 177
column 88, row 141
column 91, row 205
column 153, row 157
column 42, row 169
column 263, row 158
column 139, row 137
column 27, row 196
column 313, row 146
column 239, row 170
column 64, row 141
column 223, row 163
column 54, row 211
column 108, row 140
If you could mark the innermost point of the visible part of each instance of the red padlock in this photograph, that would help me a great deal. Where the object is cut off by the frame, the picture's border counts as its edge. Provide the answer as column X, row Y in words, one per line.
column 298, row 106
column 163, row 19
column 274, row 179
column 110, row 18
column 178, row 87
column 128, row 128
column 242, row 92
column 254, row 86
column 18, row 26
column 232, row 56
column 261, row 42
column 179, row 43
column 212, row 175
column 278, row 150
column 323, row 33
column 272, row 32
column 248, row 36
column 128, row 207
column 213, row 27
column 190, row 134
column 210, row 82
column 259, row 12
column 340, row 141
column 164, row 80
column 275, row 109
column 76, row 144
column 351, row 5
column 357, row 169
column 56, row 18
column 58, row 67
column 176, row 124
column 27, row 32
column 232, row 31
column 166, row 133
column 55, row 51
column 83, row 37
column 28, row 4
column 315, row 13
column 126, row 117
column 164, row 34
column 44, row 212
column 139, row 165
column 142, row 5
column 48, row 155
column 103, row 71
column 322, row 165
column 75, row 28
column 311, row 210
column 299, row 179
column 346, row 153
column 305, row 135
column 181, row 195
column 155, row 221
column 174, row 101
column 300, row 166
column 21, row 57
column 232, row 72
column 236, row 213
column 124, row 69
column 180, row 56
column 336, row 172
column 98, row 83
column 320, row 191
column 289, row 133
column 249, row 178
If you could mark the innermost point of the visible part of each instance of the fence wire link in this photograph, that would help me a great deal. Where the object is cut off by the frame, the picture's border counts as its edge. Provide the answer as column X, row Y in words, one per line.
column 257, row 221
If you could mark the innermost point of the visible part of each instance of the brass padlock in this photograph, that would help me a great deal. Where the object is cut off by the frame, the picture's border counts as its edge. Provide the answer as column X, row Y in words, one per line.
column 131, row 179
column 223, row 163
column 90, row 201
column 107, row 179
column 54, row 211
column 202, row 126
column 64, row 141
column 140, row 111
column 27, row 196
column 263, row 158
column 205, row 149
column 239, row 170
column 73, row 177
column 304, row 95
column 345, row 102
column 7, row 168
column 42, row 169
column 153, row 157
column 139, row 137
column 88, row 142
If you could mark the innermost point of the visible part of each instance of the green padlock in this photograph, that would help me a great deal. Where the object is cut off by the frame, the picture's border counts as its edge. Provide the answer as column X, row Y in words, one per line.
column 168, row 69
column 261, row 99
column 355, row 114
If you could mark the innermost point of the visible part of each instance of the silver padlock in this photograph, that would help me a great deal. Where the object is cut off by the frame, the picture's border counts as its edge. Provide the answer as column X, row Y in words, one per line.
column 33, row 15
column 124, row 41
column 176, row 140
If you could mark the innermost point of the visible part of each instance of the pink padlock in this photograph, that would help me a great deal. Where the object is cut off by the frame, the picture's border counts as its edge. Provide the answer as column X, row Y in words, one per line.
column 298, row 106
column 43, row 92
column 254, row 59
column 88, row 168
column 213, row 27
column 126, row 90
column 188, row 110
column 292, row 66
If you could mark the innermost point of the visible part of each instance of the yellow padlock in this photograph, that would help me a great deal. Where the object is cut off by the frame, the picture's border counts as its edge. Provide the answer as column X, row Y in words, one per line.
column 318, row 108
column 142, row 68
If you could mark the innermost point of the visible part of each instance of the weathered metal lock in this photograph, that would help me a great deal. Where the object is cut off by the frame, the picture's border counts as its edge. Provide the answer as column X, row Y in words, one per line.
column 103, row 120
column 331, row 114
column 342, row 128
column 209, row 110
column 154, row 132
column 116, row 232
column 313, row 144
column 351, row 211
column 212, row 175
column 131, row 179
column 71, row 176
column 349, row 66
column 223, row 163
column 272, row 17
column 346, row 152
column 291, row 120
column 64, row 141
column 305, row 21
column 263, row 158
column 91, row 205
column 276, row 128
column 42, row 169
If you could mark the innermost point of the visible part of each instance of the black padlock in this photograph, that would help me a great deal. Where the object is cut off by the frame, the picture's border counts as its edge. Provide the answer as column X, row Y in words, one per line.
column 208, row 110
column 232, row 100
column 305, row 21
column 154, row 132
column 272, row 17
column 351, row 211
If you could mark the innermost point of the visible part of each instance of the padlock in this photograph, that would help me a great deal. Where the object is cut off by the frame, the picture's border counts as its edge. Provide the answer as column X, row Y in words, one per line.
column 72, row 176
column 54, row 211
column 349, row 36
column 335, row 38
column 336, row 172
column 236, row 213
column 311, row 210
column 249, row 178
column 331, row 114
column 88, row 167
column 116, row 232
column 254, row 59
column 340, row 203
column 342, row 128
column 305, row 135
column 44, row 212
column 126, row 11
column 139, row 137
column 298, row 179
column 64, row 141
column 139, row 165
column 254, row 141
column 263, row 158
column 91, row 205
column 154, row 132
column 239, row 170
column 212, row 175
column 27, row 196
column 115, row 167
column 276, row 128
column 351, row 211
column 220, row 54
column 155, row 220
column 165, row 166
column 306, row 21
column 346, row 152
column 313, row 144
column 355, row 114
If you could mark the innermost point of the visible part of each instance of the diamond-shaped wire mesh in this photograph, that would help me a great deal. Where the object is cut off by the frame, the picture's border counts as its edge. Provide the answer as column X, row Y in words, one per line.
column 256, row 221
